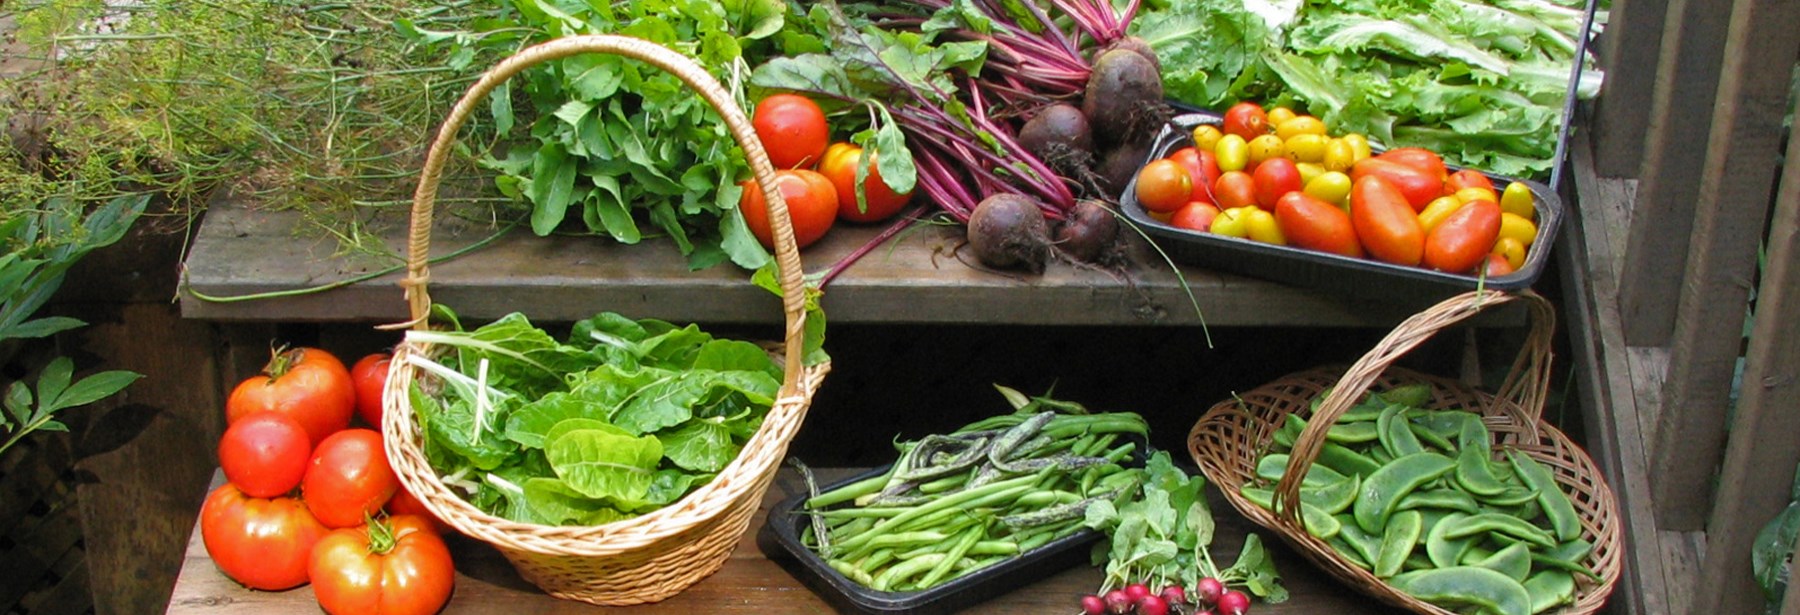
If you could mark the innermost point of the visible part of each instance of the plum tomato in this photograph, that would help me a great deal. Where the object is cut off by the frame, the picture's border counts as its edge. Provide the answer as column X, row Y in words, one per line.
column 792, row 129
column 1385, row 224
column 1426, row 161
column 349, row 478
column 1164, row 186
column 307, row 384
column 1464, row 238
column 1467, row 178
column 1315, row 224
column 265, row 454
column 1417, row 186
column 369, row 376
column 811, row 201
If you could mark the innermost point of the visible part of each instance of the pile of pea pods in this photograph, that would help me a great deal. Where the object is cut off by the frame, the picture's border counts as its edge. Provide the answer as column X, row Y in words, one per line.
column 1416, row 497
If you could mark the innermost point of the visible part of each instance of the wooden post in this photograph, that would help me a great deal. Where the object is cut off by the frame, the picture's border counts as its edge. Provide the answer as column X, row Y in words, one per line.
column 1622, row 113
column 1760, row 457
column 1728, row 224
column 1681, row 113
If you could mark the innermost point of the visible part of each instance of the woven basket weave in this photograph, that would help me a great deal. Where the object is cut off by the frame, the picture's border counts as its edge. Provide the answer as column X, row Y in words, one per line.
column 1229, row 438
column 656, row 555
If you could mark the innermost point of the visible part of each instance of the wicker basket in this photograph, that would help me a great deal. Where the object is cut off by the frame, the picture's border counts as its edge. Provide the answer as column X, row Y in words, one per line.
column 650, row 557
column 1227, row 441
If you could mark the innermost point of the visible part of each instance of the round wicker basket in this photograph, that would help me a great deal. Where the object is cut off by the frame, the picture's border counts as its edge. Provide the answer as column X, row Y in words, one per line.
column 656, row 555
column 1230, row 437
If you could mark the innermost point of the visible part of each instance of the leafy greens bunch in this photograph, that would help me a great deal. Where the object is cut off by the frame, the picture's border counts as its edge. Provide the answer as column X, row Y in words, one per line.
column 621, row 419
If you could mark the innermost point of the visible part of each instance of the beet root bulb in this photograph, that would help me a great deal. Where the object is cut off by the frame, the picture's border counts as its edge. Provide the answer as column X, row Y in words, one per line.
column 1089, row 233
column 1008, row 231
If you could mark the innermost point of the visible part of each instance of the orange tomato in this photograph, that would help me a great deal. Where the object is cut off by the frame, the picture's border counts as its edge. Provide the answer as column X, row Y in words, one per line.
column 1164, row 186
column 1385, row 222
column 879, row 201
column 1247, row 120
column 1202, row 168
column 1234, row 189
column 811, row 202
column 1195, row 216
column 1317, row 225
column 1418, row 187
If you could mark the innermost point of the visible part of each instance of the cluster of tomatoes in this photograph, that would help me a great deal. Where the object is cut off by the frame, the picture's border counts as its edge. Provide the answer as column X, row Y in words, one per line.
column 817, row 177
column 1277, row 177
column 312, row 500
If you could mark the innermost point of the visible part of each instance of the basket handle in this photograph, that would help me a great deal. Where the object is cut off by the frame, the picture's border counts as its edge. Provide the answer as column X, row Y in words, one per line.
column 787, row 256
column 1525, row 387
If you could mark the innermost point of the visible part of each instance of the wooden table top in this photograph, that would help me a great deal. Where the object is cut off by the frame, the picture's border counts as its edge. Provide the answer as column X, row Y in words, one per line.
column 749, row 582
column 912, row 279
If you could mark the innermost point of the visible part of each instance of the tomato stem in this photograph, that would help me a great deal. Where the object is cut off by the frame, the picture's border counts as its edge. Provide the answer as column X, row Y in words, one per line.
column 381, row 535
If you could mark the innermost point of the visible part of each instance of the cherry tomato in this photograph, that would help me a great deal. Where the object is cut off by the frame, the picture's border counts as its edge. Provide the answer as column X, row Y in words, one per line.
column 392, row 567
column 1511, row 250
column 1518, row 200
column 1206, row 136
column 262, row 543
column 811, row 201
column 1315, row 224
column 1195, row 216
column 1385, row 224
column 1300, row 125
column 1466, row 195
column 1339, row 155
column 1438, row 209
column 1164, row 186
column 1202, row 168
column 1246, row 120
column 1233, row 153
column 1306, row 147
column 1467, row 178
column 1233, row 222
column 1332, row 187
column 369, row 377
column 792, row 130
column 307, row 384
column 1419, row 158
column 1234, row 189
column 880, row 201
column 1274, row 178
column 265, row 454
column 1495, row 266
column 1280, row 115
column 349, row 478
column 1518, row 228
column 1263, row 148
column 1418, row 187
column 1261, row 226
column 1359, row 146
column 1463, row 239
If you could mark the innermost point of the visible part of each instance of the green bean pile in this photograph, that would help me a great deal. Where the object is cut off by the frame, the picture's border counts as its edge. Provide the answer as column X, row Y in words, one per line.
column 1415, row 496
column 959, row 502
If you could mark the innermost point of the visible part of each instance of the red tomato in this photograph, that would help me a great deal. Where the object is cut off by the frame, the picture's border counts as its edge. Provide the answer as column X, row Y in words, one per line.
column 1275, row 177
column 393, row 567
column 265, row 454
column 879, row 201
column 1418, row 187
column 405, row 503
column 1203, row 171
column 1384, row 222
column 262, row 543
column 1419, row 158
column 1196, row 216
column 1317, row 225
column 306, row 383
column 368, row 377
column 1462, row 240
column 812, row 206
column 792, row 129
column 349, row 478
column 1467, row 178
column 1247, row 120
column 1235, row 189
column 1495, row 266
column 1163, row 186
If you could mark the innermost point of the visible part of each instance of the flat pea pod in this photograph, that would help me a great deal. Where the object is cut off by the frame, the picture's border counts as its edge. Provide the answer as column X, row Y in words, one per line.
column 1499, row 523
column 1273, row 467
column 1528, row 510
column 1430, row 438
column 1550, row 589
column 1397, row 542
column 1466, row 586
column 1476, row 554
column 1366, row 546
column 1289, row 431
column 1382, row 491
column 1352, row 433
column 1445, row 423
column 1452, row 499
column 1418, row 561
column 1395, row 435
column 1348, row 551
column 1346, row 461
column 1475, row 473
column 1381, row 455
column 1364, row 412
column 1513, row 561
column 1474, row 434
column 1332, row 498
column 1446, row 552
column 1573, row 551
column 1510, row 496
column 1561, row 564
column 1318, row 522
column 1557, row 506
column 1413, row 394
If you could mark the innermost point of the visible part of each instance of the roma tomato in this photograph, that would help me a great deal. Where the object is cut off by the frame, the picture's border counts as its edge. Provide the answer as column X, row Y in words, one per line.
column 265, row 454
column 393, row 567
column 1195, row 216
column 1247, row 120
column 1385, row 224
column 368, row 377
column 262, row 543
column 1273, row 178
column 1235, row 189
column 792, row 129
column 1467, row 178
column 1260, row 225
column 1233, row 222
column 1314, row 224
column 1463, row 239
column 349, row 478
column 811, row 201
column 1426, row 161
column 1203, row 171
column 1163, row 186
column 307, row 384
column 879, row 201
column 1418, row 187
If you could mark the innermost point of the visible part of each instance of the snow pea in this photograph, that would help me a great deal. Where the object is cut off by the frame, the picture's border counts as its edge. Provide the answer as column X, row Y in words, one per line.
column 1503, row 524
column 1397, row 542
column 1346, row 461
column 1466, row 585
column 1382, row 491
column 1557, row 506
column 1550, row 589
column 1440, row 498
column 1513, row 561
column 1395, row 435
column 1475, row 473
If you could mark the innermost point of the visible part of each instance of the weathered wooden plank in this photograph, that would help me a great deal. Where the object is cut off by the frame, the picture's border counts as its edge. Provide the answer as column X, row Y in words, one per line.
column 1634, row 32
column 1760, row 455
column 1729, row 216
column 1680, row 119
column 914, row 279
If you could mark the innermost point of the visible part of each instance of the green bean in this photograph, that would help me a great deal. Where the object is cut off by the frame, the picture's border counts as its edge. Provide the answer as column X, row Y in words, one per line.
column 907, row 538
column 851, row 572
column 905, row 570
column 849, row 492
column 946, row 483
column 968, row 540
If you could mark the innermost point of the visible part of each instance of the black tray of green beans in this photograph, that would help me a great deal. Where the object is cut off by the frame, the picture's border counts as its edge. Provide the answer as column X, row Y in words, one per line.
column 962, row 517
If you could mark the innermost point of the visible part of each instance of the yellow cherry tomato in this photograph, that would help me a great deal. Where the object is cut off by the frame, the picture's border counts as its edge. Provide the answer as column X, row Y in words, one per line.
column 1265, row 147
column 1331, row 186
column 1517, row 199
column 1302, row 125
column 1476, row 194
column 1514, row 226
column 1308, row 171
column 1278, row 115
column 1359, row 144
column 1306, row 147
column 1438, row 209
column 1511, row 250
column 1232, row 222
column 1233, row 153
column 1262, row 227
column 1206, row 137
column 1339, row 155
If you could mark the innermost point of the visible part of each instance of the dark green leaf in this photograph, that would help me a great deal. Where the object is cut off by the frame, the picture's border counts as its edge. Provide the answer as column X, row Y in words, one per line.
column 736, row 355
column 532, row 423
column 41, row 327
column 500, row 105
column 93, row 388
column 18, row 402
column 552, row 188
column 54, row 380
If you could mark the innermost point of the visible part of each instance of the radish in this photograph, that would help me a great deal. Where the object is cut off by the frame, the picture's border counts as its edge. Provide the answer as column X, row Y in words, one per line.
column 1174, row 595
column 1152, row 605
column 1117, row 602
column 1234, row 602
column 1137, row 592
column 1092, row 605
column 1209, row 590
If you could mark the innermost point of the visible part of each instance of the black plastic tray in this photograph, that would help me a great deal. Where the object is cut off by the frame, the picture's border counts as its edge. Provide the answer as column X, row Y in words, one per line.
column 1354, row 277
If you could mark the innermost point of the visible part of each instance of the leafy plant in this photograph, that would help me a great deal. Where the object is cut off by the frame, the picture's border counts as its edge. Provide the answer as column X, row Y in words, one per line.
column 26, row 413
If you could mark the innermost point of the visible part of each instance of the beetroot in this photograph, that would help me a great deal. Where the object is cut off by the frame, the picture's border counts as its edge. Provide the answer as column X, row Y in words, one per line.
column 1008, row 231
column 1124, row 98
column 1088, row 233
column 1058, row 132
column 1141, row 47
column 1120, row 165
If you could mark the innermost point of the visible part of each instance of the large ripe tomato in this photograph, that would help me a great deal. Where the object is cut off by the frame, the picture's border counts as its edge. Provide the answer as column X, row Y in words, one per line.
column 879, row 201
column 349, row 478
column 1246, row 120
column 368, row 377
column 262, row 543
column 1464, row 239
column 1314, row 224
column 393, row 567
column 1203, row 171
column 1417, row 186
column 1384, row 222
column 1273, row 178
column 792, row 130
column 307, row 384
column 811, row 202
column 265, row 454
column 1163, row 186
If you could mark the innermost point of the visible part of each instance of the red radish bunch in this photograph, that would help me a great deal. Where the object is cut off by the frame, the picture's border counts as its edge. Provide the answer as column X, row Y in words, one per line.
column 1210, row 598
